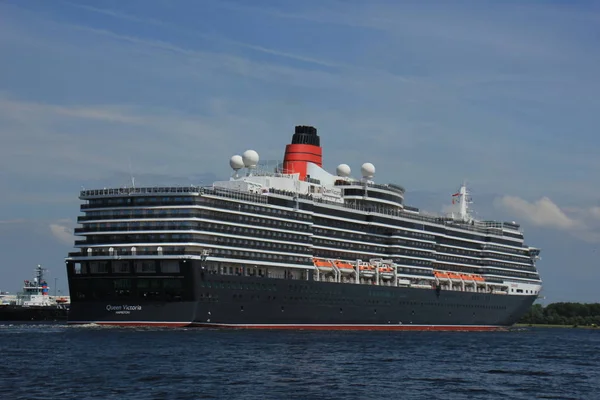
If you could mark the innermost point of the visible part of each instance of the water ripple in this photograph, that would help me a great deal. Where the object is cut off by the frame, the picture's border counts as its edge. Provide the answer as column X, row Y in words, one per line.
column 53, row 361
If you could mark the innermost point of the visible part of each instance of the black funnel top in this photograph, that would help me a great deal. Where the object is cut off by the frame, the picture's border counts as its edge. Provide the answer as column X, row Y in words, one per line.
column 306, row 135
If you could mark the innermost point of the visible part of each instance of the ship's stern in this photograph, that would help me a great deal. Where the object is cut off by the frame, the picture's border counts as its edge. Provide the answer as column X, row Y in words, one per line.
column 131, row 292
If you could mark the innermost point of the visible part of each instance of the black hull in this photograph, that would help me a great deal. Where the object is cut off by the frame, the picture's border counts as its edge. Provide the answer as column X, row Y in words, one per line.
column 248, row 302
column 20, row 313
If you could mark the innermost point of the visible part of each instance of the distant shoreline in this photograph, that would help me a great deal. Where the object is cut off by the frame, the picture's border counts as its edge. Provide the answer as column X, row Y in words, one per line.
column 554, row 326
column 562, row 315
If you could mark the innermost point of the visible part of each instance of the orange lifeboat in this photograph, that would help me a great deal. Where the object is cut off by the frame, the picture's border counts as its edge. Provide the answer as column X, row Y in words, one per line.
column 323, row 265
column 367, row 270
column 344, row 267
column 386, row 272
column 454, row 276
column 441, row 275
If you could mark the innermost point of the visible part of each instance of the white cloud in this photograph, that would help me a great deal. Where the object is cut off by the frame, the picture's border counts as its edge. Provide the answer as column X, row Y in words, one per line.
column 583, row 223
column 94, row 141
column 23, row 111
column 58, row 229
column 62, row 230
column 11, row 221
column 116, row 14
column 195, row 33
column 542, row 212
column 499, row 29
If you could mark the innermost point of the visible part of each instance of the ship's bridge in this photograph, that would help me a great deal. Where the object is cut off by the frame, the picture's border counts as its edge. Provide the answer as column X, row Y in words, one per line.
column 367, row 193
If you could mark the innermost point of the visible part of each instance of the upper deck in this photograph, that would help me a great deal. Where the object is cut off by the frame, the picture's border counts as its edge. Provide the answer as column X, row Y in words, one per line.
column 482, row 227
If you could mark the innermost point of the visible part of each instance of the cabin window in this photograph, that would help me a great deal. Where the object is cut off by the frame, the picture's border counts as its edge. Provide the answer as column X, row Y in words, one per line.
column 170, row 267
column 145, row 267
column 98, row 267
column 121, row 267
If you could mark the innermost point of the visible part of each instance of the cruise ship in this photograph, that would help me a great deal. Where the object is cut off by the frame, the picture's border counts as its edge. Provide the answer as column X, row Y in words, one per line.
column 294, row 247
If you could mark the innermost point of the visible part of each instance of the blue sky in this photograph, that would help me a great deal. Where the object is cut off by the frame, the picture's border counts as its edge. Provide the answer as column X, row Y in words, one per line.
column 503, row 94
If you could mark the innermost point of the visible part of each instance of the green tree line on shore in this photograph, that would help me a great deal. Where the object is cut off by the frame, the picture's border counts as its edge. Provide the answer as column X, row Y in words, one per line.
column 582, row 314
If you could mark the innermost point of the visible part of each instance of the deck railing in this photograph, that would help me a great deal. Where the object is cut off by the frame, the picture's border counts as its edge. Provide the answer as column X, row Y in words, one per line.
column 485, row 227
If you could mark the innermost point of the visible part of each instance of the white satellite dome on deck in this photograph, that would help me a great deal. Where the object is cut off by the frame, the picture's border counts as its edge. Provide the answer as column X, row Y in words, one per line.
column 367, row 170
column 250, row 158
column 343, row 170
column 236, row 162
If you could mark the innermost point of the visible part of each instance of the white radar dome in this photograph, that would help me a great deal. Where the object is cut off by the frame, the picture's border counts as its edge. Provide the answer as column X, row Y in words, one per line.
column 236, row 162
column 250, row 158
column 343, row 170
column 367, row 170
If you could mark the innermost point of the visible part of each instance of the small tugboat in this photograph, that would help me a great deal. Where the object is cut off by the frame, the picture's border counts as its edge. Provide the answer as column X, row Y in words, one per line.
column 34, row 302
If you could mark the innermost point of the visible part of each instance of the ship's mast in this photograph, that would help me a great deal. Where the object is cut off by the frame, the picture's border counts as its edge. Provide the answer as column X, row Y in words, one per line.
column 39, row 274
column 463, row 203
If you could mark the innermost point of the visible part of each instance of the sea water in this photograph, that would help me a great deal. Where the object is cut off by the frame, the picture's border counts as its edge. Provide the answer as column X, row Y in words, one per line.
column 55, row 361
